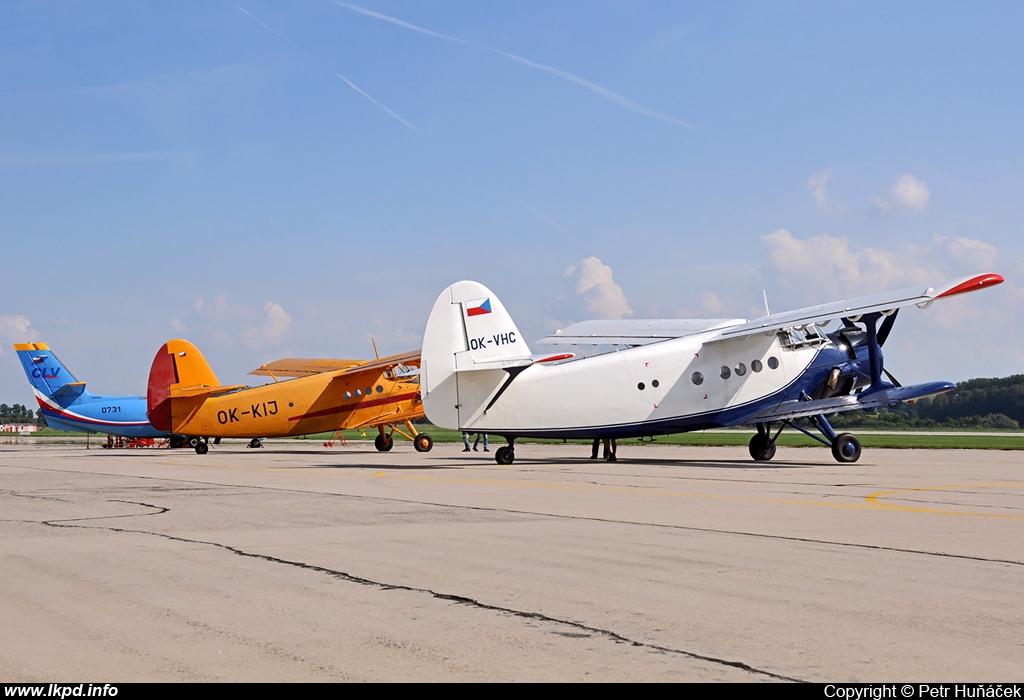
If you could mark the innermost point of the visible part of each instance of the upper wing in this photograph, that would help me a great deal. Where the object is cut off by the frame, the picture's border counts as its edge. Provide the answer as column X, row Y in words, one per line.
column 301, row 367
column 634, row 331
column 643, row 332
column 855, row 308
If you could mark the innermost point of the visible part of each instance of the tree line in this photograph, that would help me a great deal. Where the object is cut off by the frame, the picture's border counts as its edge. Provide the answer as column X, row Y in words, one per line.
column 977, row 403
column 21, row 414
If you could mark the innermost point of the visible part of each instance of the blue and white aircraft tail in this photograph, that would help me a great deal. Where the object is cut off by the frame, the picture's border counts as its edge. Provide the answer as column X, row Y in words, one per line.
column 66, row 405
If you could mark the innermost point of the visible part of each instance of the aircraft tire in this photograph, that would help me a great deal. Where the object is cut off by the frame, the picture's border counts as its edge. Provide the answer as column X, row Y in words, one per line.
column 423, row 442
column 761, row 448
column 202, row 448
column 383, row 443
column 192, row 441
column 254, row 443
column 846, row 448
column 505, row 455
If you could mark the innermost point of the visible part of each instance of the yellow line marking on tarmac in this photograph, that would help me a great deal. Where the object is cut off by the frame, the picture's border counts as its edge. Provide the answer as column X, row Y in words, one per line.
column 875, row 499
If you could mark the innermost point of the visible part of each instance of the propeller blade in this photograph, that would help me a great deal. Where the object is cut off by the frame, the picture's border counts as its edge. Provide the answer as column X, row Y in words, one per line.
column 883, row 330
column 894, row 380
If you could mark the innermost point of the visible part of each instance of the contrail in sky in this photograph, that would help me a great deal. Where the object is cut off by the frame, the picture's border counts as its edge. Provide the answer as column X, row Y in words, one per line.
column 603, row 92
column 338, row 75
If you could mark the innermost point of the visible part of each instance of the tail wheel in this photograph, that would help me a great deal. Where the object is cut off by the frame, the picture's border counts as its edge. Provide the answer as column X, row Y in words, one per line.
column 762, row 448
column 846, row 448
column 383, row 443
column 423, row 442
column 505, row 455
column 202, row 448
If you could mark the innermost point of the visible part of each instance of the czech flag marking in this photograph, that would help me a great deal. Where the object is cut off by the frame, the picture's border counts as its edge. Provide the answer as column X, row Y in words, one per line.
column 479, row 309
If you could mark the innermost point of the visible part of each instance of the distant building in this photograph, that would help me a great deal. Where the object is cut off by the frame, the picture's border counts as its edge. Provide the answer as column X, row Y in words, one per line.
column 21, row 428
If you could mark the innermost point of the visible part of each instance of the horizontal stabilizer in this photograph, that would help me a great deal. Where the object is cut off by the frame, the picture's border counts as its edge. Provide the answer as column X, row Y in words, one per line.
column 202, row 390
column 70, row 390
column 791, row 410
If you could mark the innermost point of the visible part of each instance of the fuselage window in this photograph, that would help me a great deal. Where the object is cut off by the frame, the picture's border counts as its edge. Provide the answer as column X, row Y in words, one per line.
column 697, row 378
column 741, row 369
column 348, row 394
column 725, row 372
column 359, row 392
column 640, row 386
column 654, row 383
column 773, row 362
column 756, row 365
column 380, row 389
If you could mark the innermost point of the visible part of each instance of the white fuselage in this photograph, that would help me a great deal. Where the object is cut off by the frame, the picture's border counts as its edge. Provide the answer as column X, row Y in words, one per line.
column 647, row 386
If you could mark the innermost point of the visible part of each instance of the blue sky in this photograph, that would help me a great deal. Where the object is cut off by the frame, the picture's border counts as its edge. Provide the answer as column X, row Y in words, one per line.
column 274, row 179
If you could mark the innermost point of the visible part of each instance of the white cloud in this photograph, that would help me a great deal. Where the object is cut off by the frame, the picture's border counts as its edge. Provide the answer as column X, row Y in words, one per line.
column 598, row 287
column 968, row 335
column 15, row 329
column 906, row 193
column 835, row 270
column 270, row 333
column 818, row 185
column 709, row 301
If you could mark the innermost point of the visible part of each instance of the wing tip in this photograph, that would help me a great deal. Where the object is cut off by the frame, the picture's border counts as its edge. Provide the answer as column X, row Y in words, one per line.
column 989, row 279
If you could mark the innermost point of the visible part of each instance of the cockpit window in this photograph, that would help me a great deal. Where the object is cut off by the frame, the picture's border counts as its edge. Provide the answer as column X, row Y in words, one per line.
column 803, row 335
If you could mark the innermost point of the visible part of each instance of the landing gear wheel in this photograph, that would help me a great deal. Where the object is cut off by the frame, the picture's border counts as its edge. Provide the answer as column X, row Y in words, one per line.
column 202, row 448
column 846, row 448
column 192, row 442
column 423, row 442
column 255, row 442
column 761, row 447
column 383, row 443
column 505, row 455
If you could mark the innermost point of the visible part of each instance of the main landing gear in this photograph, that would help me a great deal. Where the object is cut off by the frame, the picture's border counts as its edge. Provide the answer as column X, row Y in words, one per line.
column 507, row 454
column 845, row 446
column 385, row 440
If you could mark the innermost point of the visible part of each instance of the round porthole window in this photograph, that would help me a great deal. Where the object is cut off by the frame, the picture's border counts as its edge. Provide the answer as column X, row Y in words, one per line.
column 773, row 362
column 697, row 378
column 741, row 369
column 640, row 386
column 655, row 383
column 724, row 373
column 756, row 365
column 380, row 389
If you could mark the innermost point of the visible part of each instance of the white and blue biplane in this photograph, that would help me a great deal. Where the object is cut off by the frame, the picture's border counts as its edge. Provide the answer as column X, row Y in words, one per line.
column 640, row 378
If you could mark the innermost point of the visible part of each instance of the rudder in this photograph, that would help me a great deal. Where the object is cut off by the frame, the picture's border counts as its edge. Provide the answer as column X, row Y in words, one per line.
column 178, row 366
column 468, row 330
column 45, row 372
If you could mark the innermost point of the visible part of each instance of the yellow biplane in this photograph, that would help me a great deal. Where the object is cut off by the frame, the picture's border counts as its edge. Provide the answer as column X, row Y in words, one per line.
column 185, row 398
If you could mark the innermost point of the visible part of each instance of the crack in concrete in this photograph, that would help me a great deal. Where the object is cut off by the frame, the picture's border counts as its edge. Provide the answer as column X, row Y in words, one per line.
column 458, row 599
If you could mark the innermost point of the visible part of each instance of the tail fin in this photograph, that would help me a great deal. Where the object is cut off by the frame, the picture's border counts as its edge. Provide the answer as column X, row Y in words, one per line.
column 48, row 375
column 178, row 370
column 469, row 341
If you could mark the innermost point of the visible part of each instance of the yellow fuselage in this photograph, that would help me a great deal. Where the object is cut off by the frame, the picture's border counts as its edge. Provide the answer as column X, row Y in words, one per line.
column 320, row 403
